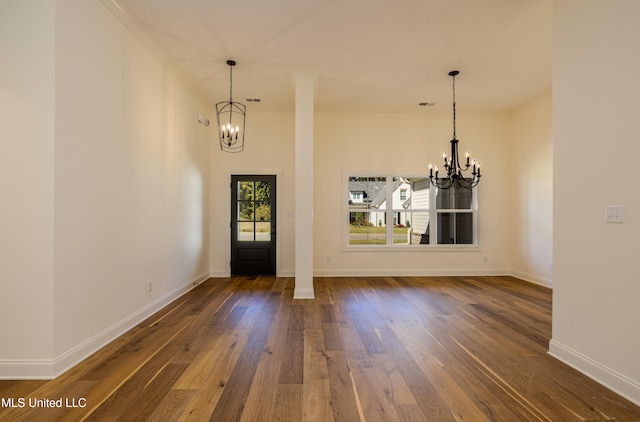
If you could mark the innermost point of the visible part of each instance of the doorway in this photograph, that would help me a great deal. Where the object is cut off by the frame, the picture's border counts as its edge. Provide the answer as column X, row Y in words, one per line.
column 253, row 225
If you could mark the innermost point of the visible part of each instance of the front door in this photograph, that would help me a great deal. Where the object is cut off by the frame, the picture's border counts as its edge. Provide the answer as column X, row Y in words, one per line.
column 253, row 225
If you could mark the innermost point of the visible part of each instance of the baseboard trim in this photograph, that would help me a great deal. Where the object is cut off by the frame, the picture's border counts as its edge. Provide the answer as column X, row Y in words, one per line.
column 532, row 278
column 303, row 293
column 48, row 369
column 287, row 273
column 609, row 378
column 219, row 273
column 29, row 369
column 417, row 272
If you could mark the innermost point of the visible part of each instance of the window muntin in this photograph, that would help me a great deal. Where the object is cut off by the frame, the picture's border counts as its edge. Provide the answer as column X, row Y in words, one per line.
column 408, row 211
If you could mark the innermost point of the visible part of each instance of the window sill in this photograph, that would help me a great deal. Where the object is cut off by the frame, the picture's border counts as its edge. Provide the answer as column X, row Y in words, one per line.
column 411, row 248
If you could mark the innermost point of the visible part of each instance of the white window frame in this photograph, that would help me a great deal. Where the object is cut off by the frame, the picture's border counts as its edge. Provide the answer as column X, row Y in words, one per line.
column 389, row 213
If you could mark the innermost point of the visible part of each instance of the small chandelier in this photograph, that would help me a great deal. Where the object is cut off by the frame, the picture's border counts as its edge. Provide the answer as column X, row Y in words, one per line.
column 231, row 115
column 455, row 177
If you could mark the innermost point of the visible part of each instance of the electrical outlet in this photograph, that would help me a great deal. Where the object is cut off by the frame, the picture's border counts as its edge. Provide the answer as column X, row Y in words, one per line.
column 149, row 286
column 328, row 258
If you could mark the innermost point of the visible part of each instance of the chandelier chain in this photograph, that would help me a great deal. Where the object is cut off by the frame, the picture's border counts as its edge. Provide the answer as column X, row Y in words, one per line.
column 454, row 106
column 231, row 84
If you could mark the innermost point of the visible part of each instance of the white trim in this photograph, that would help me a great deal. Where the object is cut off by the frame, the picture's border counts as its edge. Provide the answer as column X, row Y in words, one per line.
column 288, row 272
column 219, row 273
column 12, row 369
column 533, row 278
column 609, row 378
column 408, row 272
column 29, row 369
column 303, row 293
column 411, row 248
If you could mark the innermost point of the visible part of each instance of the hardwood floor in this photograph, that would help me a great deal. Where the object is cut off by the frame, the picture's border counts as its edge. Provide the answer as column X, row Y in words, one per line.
column 366, row 349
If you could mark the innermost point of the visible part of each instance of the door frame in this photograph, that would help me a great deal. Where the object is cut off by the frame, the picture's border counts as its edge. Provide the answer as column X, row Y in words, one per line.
column 227, row 212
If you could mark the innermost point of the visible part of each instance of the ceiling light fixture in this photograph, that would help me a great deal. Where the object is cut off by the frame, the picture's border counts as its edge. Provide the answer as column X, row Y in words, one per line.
column 231, row 118
column 455, row 177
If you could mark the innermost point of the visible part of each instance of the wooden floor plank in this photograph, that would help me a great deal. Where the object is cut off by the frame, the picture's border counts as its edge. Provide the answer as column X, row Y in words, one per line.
column 261, row 399
column 316, row 389
column 171, row 406
column 293, row 354
column 344, row 395
column 366, row 349
column 233, row 399
column 289, row 403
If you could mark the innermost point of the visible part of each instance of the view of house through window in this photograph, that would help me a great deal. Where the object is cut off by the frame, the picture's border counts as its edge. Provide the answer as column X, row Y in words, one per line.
column 397, row 210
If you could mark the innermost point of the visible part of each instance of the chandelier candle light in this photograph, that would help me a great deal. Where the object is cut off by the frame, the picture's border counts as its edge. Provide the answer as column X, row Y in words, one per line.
column 455, row 177
column 231, row 119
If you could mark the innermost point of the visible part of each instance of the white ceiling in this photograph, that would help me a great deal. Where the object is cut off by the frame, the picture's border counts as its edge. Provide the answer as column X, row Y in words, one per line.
column 373, row 56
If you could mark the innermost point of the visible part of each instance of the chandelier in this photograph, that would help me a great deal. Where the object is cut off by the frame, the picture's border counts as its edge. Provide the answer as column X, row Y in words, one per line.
column 231, row 115
column 455, row 173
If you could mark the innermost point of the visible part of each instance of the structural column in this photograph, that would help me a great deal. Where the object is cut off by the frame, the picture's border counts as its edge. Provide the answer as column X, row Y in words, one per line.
column 305, row 87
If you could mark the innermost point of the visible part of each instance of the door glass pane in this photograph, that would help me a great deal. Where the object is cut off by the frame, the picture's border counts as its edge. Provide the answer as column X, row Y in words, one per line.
column 246, row 231
column 262, row 191
column 245, row 191
column 263, row 232
column 263, row 211
column 245, row 211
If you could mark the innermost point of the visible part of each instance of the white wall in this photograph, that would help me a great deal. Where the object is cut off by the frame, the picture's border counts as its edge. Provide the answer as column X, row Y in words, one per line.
column 269, row 141
column 596, row 149
column 522, row 246
column 131, row 179
column 26, row 185
column 113, row 175
column 405, row 145
column 531, row 191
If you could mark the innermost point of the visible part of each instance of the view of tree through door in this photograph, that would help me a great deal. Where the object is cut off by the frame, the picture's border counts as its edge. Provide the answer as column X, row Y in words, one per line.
column 253, row 225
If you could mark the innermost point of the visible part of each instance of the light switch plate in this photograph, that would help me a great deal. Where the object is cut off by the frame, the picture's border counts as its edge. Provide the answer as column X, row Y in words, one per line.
column 614, row 214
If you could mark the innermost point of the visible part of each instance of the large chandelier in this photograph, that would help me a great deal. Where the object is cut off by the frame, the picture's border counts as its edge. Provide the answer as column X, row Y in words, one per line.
column 455, row 173
column 231, row 115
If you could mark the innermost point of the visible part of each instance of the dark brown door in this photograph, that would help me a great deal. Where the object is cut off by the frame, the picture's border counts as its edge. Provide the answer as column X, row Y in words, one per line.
column 253, row 225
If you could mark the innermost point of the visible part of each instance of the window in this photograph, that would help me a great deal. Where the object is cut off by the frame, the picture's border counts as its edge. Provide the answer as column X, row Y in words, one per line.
column 254, row 211
column 367, row 217
column 455, row 215
column 397, row 210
